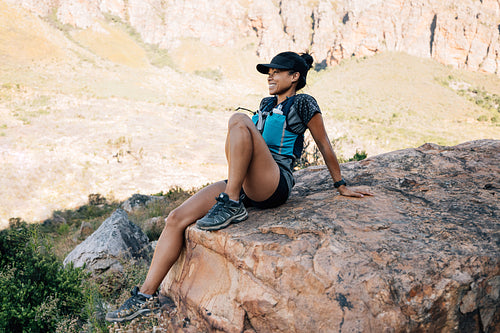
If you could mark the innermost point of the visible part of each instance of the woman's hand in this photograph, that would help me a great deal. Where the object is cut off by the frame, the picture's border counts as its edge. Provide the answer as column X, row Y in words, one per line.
column 343, row 190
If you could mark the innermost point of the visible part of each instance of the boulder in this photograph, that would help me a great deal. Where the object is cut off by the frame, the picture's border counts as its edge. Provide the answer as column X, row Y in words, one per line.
column 115, row 241
column 137, row 201
column 421, row 255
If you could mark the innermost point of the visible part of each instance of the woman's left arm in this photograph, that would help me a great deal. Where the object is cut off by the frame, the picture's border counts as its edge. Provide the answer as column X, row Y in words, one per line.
column 317, row 128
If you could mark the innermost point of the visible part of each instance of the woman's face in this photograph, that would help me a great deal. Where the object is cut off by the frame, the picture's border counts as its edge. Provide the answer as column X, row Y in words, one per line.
column 281, row 81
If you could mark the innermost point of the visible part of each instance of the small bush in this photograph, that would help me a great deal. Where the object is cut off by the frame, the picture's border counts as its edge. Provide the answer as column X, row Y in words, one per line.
column 98, row 208
column 63, row 229
column 358, row 156
column 36, row 290
column 96, row 199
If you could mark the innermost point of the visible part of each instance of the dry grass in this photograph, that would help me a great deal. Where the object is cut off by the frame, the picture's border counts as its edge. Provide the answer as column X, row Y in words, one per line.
column 393, row 101
column 24, row 37
column 77, row 116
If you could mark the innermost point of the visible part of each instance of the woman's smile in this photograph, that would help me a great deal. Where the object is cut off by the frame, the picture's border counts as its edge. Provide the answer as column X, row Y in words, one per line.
column 280, row 83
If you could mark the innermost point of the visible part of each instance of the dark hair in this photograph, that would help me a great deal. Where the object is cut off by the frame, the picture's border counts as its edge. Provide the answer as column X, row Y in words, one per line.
column 308, row 59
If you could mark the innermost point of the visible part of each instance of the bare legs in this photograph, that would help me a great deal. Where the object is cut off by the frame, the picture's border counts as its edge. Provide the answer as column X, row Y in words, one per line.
column 171, row 240
column 250, row 165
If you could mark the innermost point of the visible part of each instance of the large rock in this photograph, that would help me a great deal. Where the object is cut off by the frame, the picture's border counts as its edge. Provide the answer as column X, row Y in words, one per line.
column 422, row 255
column 115, row 241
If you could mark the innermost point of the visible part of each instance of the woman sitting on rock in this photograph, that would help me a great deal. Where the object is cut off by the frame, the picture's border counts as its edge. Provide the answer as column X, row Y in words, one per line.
column 260, row 152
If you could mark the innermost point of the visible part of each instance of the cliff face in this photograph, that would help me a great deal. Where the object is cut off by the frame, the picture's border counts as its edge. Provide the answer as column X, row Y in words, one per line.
column 464, row 34
column 422, row 255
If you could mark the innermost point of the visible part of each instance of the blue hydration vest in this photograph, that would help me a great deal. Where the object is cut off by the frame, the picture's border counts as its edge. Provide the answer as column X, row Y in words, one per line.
column 271, row 122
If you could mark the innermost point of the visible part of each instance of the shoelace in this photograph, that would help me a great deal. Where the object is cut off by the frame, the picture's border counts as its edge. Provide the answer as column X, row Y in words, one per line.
column 217, row 207
column 131, row 303
column 133, row 300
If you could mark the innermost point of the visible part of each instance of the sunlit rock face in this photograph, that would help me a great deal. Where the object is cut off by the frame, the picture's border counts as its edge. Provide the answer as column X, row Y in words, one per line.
column 116, row 241
column 421, row 255
column 464, row 34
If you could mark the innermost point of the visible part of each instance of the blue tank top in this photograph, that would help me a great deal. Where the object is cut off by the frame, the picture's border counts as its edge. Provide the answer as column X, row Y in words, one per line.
column 271, row 121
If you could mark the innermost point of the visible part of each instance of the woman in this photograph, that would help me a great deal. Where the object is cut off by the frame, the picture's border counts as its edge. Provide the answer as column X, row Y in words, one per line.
column 260, row 153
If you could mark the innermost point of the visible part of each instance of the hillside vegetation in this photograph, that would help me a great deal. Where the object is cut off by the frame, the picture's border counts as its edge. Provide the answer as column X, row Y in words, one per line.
column 86, row 111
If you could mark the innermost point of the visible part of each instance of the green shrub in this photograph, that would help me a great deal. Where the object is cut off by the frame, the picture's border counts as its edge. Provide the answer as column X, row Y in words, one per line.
column 358, row 156
column 37, row 292
column 63, row 229
column 98, row 209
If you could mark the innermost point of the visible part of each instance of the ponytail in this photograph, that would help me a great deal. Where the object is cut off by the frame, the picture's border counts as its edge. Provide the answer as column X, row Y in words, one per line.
column 308, row 60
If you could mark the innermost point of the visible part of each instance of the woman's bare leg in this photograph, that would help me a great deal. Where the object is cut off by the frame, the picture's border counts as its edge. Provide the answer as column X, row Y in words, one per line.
column 171, row 240
column 250, row 163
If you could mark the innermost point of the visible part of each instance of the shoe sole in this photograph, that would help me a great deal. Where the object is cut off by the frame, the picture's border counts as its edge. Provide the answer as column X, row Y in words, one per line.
column 235, row 219
column 130, row 317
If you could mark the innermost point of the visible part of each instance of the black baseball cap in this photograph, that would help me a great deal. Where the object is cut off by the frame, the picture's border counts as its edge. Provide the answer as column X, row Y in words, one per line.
column 285, row 60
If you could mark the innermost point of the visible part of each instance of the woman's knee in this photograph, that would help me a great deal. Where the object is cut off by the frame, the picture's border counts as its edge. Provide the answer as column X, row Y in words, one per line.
column 174, row 220
column 239, row 119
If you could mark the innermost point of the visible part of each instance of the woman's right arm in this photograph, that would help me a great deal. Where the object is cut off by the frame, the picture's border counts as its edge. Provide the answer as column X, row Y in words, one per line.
column 317, row 128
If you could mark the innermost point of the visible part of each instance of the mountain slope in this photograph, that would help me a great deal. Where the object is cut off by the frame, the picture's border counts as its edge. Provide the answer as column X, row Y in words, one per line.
column 394, row 101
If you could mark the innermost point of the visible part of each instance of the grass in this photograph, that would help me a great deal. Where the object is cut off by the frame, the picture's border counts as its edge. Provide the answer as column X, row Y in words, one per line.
column 393, row 101
column 488, row 101
column 378, row 104
column 212, row 74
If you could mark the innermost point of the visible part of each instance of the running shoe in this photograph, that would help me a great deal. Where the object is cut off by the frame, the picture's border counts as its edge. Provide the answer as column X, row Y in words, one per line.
column 223, row 213
column 137, row 305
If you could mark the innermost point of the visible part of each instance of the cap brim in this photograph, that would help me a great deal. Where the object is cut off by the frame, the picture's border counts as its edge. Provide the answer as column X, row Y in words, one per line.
column 264, row 68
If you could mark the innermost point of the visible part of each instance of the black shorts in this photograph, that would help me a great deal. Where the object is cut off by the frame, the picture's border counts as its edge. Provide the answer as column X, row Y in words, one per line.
column 279, row 197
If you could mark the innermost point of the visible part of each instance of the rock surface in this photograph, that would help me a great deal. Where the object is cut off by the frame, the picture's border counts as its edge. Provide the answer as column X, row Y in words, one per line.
column 464, row 34
column 422, row 255
column 117, row 239
column 137, row 201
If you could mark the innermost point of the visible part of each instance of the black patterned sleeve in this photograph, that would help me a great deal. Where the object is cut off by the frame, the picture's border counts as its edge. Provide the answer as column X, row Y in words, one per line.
column 302, row 111
column 307, row 108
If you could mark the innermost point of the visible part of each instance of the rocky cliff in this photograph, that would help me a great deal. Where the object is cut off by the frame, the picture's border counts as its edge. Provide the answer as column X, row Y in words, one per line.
column 422, row 255
column 464, row 34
